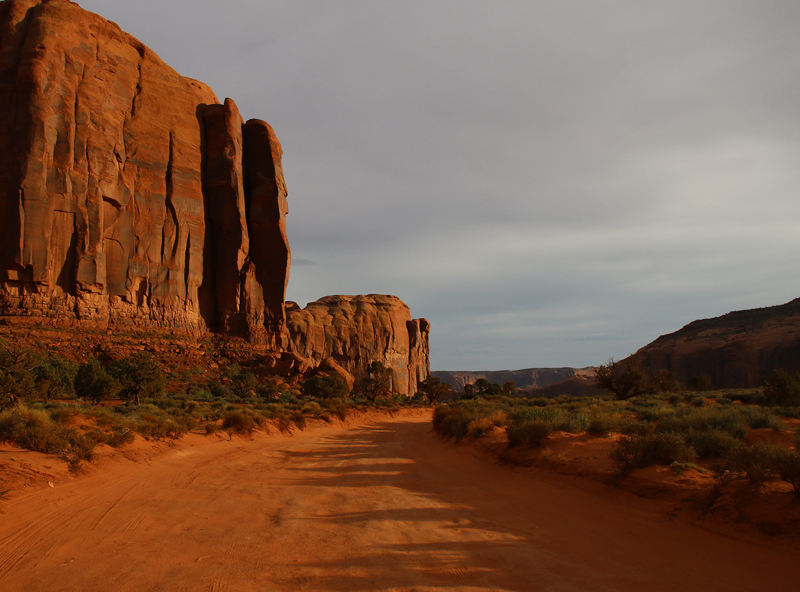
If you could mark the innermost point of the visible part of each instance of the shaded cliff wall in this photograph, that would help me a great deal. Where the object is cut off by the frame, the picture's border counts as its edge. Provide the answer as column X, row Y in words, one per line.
column 738, row 350
column 354, row 331
column 128, row 194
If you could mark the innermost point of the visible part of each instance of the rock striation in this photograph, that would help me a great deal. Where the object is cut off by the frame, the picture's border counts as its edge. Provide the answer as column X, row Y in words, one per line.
column 737, row 350
column 353, row 331
column 130, row 197
column 128, row 194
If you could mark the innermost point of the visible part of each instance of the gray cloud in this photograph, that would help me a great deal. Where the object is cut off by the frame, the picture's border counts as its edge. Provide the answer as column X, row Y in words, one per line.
column 550, row 183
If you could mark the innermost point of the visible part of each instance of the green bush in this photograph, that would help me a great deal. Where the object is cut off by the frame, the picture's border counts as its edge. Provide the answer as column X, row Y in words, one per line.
column 17, row 379
column 373, row 383
column 758, row 463
column 139, row 376
column 325, row 387
column 603, row 424
column 433, row 389
column 453, row 420
column 239, row 422
column 729, row 419
column 529, row 433
column 55, row 377
column 638, row 452
column 711, row 443
column 93, row 383
column 33, row 429
column 788, row 466
column 701, row 382
column 781, row 388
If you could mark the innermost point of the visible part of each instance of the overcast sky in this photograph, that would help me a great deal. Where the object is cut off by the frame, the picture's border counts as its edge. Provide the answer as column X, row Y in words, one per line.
column 550, row 183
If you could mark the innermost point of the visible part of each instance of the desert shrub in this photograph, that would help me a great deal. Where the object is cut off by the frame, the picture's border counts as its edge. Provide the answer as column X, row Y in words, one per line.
column 626, row 379
column 217, row 390
column 530, row 432
column 556, row 418
column 33, row 429
column 453, row 420
column 757, row 463
column 55, row 377
column 93, row 383
column 312, row 408
column 239, row 422
column 654, row 413
column 746, row 397
column 284, row 423
column 638, row 452
column 374, row 382
column 299, row 419
column 701, row 382
column 781, row 388
column 665, row 382
column 788, row 466
column 17, row 380
column 120, row 437
column 711, row 443
column 338, row 406
column 477, row 428
column 433, row 389
column 728, row 419
column 325, row 387
column 243, row 384
column 139, row 376
column 154, row 424
column 757, row 418
column 602, row 424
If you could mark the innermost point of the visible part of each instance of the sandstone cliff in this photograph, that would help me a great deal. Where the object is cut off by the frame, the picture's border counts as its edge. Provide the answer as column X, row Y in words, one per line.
column 128, row 194
column 738, row 350
column 353, row 331
column 130, row 197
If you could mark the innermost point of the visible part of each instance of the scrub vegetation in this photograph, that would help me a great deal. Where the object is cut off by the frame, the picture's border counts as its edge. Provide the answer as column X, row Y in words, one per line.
column 55, row 406
column 673, row 429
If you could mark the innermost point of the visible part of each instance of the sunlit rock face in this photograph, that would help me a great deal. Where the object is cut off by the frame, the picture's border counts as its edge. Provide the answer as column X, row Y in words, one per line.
column 353, row 331
column 128, row 194
column 131, row 197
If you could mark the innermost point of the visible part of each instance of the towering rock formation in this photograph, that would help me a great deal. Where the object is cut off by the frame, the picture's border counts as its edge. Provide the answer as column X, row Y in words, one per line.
column 129, row 196
column 738, row 350
column 353, row 331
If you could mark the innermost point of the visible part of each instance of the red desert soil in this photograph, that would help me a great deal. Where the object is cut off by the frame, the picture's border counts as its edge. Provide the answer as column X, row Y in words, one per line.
column 382, row 505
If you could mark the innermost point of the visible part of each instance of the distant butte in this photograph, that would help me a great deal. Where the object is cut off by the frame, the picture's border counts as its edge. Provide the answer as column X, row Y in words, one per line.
column 737, row 350
column 130, row 197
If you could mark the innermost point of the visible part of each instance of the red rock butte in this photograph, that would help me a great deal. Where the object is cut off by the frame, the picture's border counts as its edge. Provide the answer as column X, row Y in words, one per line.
column 130, row 197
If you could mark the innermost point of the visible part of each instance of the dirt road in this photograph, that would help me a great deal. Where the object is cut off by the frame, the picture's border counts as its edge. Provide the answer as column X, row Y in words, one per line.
column 384, row 506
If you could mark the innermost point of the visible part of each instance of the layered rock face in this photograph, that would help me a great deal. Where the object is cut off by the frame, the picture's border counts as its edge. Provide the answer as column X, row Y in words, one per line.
column 128, row 194
column 353, row 331
column 738, row 350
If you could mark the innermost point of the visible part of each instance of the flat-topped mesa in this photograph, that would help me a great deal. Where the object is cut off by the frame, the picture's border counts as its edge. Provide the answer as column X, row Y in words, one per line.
column 128, row 194
column 353, row 331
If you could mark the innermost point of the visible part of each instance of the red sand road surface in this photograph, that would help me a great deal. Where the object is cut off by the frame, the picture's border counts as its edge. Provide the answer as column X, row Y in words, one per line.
column 381, row 506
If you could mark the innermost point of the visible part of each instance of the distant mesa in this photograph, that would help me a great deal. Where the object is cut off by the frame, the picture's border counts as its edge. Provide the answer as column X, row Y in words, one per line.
column 130, row 197
column 737, row 350
column 528, row 381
